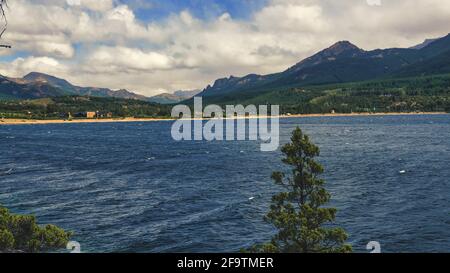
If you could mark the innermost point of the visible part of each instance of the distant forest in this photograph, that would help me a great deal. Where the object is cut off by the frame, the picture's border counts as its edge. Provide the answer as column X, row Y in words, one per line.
column 428, row 94
column 59, row 107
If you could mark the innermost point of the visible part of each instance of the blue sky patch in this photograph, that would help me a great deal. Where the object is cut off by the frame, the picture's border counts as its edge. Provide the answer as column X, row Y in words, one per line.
column 154, row 10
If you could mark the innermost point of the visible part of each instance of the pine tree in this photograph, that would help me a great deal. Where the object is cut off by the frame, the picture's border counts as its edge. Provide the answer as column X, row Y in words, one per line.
column 21, row 233
column 304, row 225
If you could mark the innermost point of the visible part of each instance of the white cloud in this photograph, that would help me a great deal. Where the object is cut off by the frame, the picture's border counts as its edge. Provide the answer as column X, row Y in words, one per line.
column 374, row 2
column 127, row 60
column 97, row 5
column 22, row 66
column 292, row 18
column 103, row 43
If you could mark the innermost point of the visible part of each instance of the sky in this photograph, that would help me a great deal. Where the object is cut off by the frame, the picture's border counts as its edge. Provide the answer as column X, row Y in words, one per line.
column 155, row 46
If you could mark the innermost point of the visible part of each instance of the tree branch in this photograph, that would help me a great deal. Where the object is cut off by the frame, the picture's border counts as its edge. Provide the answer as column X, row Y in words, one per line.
column 3, row 5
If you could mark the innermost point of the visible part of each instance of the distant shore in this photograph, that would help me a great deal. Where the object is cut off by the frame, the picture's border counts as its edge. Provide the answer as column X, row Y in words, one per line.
column 60, row 121
column 110, row 120
column 365, row 114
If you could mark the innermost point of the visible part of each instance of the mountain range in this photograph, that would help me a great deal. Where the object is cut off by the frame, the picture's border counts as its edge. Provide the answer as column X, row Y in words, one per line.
column 177, row 96
column 343, row 62
column 39, row 85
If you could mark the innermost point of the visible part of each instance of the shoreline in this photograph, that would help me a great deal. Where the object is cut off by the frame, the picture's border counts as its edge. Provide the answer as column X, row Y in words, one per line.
column 113, row 120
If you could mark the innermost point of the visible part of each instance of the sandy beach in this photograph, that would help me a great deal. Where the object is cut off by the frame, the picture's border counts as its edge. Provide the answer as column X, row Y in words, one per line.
column 60, row 121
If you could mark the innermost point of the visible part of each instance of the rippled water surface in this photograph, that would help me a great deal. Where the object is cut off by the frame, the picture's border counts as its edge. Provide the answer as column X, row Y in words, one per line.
column 130, row 187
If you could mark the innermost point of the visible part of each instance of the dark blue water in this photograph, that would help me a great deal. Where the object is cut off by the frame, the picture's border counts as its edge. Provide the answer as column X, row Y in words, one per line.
column 129, row 187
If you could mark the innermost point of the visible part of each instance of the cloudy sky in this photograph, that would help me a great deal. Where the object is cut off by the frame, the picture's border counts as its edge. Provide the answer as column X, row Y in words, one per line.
column 154, row 46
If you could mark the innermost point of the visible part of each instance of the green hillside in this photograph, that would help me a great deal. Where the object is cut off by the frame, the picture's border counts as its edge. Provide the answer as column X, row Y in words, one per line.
column 343, row 62
column 431, row 93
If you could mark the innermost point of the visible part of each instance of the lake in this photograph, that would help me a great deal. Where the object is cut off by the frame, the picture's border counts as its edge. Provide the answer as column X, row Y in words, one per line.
column 128, row 187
